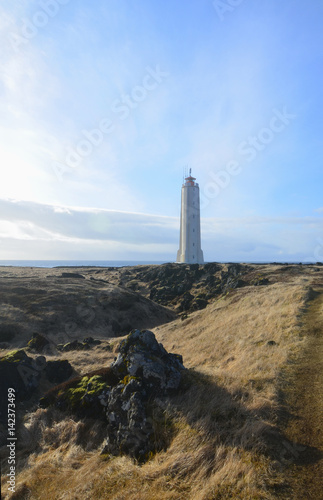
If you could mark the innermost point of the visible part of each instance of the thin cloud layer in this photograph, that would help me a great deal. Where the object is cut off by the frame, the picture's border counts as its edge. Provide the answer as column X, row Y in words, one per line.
column 87, row 223
column 106, row 234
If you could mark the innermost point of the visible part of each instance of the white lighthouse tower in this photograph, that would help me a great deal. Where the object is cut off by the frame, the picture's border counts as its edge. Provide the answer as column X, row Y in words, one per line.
column 190, row 233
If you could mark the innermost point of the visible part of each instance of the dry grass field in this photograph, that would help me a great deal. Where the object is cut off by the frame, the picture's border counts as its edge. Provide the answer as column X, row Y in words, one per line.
column 232, row 429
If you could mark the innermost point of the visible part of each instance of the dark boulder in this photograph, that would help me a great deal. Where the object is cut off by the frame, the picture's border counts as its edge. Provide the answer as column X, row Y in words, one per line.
column 199, row 303
column 58, row 371
column 75, row 345
column 21, row 373
column 37, row 343
column 91, row 341
column 140, row 355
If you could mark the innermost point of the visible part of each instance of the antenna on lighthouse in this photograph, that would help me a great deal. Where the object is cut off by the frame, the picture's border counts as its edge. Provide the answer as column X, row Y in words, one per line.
column 190, row 172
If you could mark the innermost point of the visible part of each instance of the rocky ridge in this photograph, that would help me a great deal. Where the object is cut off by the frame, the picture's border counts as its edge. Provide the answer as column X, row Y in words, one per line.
column 186, row 287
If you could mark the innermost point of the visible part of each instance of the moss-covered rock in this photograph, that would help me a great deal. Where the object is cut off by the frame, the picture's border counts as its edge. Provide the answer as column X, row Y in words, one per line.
column 21, row 373
column 81, row 395
column 125, row 394
column 15, row 356
column 37, row 343
column 75, row 345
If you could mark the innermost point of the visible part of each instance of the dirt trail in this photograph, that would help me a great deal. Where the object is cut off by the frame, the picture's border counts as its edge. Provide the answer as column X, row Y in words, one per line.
column 304, row 397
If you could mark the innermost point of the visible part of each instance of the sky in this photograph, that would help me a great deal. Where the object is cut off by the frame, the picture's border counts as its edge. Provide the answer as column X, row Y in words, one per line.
column 104, row 104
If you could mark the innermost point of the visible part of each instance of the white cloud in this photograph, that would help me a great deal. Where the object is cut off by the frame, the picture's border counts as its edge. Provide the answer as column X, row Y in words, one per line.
column 53, row 231
column 81, row 224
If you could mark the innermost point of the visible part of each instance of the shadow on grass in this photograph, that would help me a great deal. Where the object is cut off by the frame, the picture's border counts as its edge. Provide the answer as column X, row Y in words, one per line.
column 223, row 418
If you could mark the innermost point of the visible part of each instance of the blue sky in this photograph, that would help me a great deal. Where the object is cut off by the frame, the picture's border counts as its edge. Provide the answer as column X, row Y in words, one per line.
column 103, row 103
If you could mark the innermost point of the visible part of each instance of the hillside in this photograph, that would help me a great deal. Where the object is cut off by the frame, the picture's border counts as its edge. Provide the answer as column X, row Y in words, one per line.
column 67, row 305
column 246, row 422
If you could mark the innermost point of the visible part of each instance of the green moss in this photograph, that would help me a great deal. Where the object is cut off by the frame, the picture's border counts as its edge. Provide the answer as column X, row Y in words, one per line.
column 85, row 392
column 75, row 396
column 15, row 356
column 95, row 379
column 97, row 385
column 84, row 381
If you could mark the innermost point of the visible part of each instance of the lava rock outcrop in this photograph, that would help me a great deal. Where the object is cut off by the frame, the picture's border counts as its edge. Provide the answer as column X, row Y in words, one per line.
column 129, row 395
column 147, row 373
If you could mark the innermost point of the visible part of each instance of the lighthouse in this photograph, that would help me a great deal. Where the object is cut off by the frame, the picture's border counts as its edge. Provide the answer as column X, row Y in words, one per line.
column 190, row 233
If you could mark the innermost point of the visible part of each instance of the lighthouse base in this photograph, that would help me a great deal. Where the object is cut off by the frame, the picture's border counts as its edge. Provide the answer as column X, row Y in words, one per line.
column 183, row 258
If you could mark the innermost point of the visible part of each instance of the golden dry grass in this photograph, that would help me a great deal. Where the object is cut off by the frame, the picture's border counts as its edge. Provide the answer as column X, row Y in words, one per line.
column 218, row 446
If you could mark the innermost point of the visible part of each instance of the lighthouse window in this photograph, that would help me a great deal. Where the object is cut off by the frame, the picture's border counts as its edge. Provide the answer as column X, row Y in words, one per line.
column 193, row 244
column 193, row 230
